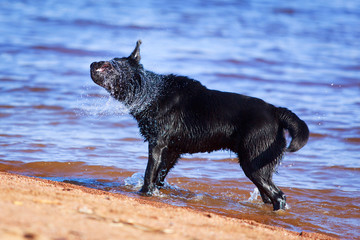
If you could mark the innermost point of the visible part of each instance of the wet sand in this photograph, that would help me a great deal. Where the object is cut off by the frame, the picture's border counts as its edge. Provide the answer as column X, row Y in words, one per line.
column 33, row 208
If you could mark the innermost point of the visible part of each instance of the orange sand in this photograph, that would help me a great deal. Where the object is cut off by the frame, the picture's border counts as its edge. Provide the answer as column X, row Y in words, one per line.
column 32, row 208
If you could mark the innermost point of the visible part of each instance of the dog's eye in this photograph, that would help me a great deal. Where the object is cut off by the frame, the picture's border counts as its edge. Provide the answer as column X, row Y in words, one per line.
column 118, row 59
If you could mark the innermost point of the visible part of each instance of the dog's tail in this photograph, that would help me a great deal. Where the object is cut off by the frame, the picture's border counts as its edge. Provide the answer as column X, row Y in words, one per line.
column 298, row 129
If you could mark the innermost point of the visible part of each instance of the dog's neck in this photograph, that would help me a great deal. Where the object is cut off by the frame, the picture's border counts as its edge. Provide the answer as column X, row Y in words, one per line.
column 150, row 87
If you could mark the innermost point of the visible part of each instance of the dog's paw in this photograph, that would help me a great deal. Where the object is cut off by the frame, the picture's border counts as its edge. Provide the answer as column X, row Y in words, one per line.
column 280, row 204
column 147, row 191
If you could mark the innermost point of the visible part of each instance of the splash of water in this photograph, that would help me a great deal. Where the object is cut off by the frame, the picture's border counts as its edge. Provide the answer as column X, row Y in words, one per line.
column 105, row 105
column 254, row 195
column 135, row 182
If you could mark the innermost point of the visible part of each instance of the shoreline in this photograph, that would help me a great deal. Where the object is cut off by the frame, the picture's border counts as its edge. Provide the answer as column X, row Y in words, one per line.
column 34, row 208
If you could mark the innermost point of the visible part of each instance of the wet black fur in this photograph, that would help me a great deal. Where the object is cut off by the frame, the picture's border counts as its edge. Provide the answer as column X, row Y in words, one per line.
column 179, row 115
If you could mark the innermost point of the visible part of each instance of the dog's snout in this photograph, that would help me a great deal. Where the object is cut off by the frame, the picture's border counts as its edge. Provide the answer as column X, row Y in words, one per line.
column 100, row 66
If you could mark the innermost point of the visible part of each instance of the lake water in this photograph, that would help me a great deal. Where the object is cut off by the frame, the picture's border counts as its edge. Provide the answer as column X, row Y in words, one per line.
column 57, row 124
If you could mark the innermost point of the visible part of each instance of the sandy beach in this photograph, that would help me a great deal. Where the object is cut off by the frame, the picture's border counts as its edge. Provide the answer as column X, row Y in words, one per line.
column 33, row 208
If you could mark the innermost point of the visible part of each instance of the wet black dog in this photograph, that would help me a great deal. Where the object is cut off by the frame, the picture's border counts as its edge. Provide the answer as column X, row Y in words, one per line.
column 178, row 115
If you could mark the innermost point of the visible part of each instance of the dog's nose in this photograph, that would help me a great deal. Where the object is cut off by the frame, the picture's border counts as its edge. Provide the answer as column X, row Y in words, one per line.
column 95, row 65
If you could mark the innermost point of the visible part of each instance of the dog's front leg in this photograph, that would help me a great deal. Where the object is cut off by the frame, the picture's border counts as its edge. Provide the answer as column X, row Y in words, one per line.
column 155, row 153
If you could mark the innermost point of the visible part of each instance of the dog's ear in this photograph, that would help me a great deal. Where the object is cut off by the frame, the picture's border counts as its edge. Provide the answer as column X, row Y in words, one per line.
column 135, row 55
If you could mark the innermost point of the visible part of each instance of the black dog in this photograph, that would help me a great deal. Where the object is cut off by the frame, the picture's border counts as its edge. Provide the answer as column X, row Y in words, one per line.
column 178, row 115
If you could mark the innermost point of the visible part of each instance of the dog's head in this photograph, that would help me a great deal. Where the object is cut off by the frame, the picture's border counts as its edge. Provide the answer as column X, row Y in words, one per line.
column 119, row 76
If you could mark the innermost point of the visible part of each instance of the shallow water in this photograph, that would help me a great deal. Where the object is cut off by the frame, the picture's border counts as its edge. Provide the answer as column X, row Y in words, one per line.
column 56, row 123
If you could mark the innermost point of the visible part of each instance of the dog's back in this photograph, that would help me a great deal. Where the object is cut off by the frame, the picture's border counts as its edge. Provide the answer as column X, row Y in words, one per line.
column 196, row 119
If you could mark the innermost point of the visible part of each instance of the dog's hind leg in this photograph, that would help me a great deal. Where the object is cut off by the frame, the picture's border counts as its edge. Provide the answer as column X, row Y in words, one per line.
column 259, row 166
column 262, row 178
column 265, row 198
column 266, row 173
